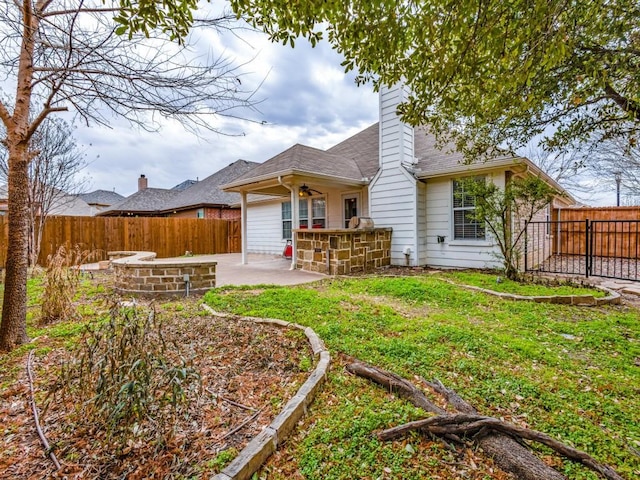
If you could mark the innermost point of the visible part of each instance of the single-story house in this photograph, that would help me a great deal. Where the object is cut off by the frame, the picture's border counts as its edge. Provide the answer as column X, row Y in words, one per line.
column 100, row 200
column 189, row 199
column 76, row 205
column 389, row 174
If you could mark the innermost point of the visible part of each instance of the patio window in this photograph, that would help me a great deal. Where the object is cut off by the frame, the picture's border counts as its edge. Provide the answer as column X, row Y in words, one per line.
column 286, row 220
column 318, row 212
column 465, row 226
column 303, row 213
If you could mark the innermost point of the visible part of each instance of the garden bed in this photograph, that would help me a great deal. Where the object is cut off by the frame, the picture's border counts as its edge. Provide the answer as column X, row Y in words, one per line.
column 246, row 374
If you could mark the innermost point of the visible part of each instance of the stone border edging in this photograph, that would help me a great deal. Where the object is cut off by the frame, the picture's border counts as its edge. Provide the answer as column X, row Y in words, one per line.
column 266, row 442
column 613, row 298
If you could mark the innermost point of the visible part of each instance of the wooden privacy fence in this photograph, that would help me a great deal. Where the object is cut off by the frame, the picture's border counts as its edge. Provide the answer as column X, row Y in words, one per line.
column 614, row 231
column 167, row 236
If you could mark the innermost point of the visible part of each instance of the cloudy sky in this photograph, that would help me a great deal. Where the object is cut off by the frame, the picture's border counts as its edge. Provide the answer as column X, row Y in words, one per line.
column 305, row 97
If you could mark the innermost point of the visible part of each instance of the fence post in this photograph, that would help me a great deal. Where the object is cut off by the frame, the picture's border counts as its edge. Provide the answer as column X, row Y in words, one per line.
column 526, row 243
column 587, row 249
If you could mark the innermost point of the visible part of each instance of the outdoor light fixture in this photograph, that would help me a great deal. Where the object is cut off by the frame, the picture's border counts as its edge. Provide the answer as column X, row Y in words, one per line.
column 305, row 190
column 618, row 176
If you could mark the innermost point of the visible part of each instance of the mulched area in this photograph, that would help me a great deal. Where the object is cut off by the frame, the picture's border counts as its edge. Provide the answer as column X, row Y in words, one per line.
column 248, row 371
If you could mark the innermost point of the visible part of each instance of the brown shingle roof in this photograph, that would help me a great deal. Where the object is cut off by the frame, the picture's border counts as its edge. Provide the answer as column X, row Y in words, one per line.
column 356, row 158
column 147, row 201
column 362, row 148
column 208, row 192
column 159, row 201
column 307, row 159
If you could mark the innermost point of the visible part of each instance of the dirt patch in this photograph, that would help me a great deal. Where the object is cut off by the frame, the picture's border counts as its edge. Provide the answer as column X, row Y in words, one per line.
column 248, row 371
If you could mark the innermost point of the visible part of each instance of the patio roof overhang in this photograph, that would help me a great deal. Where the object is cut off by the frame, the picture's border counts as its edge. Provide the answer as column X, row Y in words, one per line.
column 278, row 183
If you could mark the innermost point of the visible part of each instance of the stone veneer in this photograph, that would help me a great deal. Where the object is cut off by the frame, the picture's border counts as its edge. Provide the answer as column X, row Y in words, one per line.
column 139, row 273
column 342, row 251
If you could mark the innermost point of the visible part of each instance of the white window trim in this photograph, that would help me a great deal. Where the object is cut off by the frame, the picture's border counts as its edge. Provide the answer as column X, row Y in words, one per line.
column 477, row 242
column 282, row 220
column 326, row 210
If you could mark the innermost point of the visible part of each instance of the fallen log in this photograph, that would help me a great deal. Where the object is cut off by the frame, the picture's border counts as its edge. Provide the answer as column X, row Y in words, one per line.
column 506, row 452
column 465, row 424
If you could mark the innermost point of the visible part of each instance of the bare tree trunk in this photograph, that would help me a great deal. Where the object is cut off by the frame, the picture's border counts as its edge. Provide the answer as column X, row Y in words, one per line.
column 13, row 329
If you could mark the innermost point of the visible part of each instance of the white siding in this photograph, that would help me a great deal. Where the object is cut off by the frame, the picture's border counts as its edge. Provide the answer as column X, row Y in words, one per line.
column 454, row 253
column 422, row 223
column 264, row 228
column 335, row 205
column 393, row 192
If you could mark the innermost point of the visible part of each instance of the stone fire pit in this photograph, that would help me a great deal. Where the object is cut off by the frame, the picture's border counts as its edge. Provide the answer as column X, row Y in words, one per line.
column 140, row 273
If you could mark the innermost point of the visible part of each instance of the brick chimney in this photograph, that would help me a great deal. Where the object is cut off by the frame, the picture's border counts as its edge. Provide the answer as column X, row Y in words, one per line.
column 142, row 183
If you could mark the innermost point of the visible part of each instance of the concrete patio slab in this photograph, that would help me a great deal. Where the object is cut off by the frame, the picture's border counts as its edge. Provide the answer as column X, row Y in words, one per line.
column 260, row 269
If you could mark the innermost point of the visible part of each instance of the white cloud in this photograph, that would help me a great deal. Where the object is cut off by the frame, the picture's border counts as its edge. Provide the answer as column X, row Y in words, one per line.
column 304, row 98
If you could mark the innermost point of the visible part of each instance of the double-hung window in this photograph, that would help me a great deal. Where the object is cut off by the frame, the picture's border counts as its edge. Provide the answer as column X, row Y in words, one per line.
column 303, row 206
column 318, row 215
column 318, row 212
column 465, row 225
column 286, row 220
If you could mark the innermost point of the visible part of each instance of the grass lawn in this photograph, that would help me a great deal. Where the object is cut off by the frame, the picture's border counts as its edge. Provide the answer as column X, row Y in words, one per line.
column 572, row 372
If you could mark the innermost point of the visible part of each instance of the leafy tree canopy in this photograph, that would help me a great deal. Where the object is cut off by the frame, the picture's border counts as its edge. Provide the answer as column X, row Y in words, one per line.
column 485, row 72
column 174, row 17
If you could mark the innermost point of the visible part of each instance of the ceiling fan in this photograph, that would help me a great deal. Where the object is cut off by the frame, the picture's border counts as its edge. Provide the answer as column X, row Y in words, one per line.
column 306, row 190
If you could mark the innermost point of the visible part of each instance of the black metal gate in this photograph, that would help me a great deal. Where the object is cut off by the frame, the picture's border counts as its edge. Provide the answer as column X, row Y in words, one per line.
column 601, row 248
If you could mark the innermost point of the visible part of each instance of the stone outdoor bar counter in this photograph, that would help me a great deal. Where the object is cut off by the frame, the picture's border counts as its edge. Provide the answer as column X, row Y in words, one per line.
column 342, row 251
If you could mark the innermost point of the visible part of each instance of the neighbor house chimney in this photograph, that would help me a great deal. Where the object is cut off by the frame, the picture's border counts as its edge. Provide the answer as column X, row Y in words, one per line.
column 142, row 183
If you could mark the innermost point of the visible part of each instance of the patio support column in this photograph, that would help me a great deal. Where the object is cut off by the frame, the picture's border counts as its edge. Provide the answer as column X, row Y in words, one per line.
column 243, row 233
column 295, row 223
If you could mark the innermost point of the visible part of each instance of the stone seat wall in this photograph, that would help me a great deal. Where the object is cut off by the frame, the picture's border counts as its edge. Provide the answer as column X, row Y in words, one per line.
column 139, row 273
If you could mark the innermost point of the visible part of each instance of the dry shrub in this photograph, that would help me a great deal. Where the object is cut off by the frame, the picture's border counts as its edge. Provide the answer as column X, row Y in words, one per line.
column 127, row 380
column 61, row 281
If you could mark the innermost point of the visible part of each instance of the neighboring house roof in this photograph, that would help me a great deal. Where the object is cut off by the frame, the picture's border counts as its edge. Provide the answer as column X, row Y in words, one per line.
column 147, row 201
column 206, row 193
column 72, row 205
column 62, row 203
column 101, row 197
column 184, row 185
